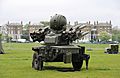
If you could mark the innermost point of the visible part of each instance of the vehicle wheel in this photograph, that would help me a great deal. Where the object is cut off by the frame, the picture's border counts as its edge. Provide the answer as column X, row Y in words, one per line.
column 34, row 57
column 40, row 63
column 77, row 65
column 37, row 62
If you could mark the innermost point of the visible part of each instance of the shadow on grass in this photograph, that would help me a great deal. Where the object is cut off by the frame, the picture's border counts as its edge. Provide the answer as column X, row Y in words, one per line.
column 69, row 69
column 104, row 69
column 61, row 69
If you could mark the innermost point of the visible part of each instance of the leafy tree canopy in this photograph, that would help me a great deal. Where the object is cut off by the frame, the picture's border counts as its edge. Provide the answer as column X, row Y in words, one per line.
column 104, row 36
column 45, row 23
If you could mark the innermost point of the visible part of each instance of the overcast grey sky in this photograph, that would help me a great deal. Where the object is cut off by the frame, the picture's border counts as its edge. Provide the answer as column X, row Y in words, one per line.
column 74, row 10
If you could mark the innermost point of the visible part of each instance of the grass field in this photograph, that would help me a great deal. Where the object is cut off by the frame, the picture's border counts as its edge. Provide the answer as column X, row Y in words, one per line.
column 16, row 63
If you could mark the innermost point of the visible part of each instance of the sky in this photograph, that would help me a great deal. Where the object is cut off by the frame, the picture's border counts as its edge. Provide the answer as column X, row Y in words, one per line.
column 74, row 10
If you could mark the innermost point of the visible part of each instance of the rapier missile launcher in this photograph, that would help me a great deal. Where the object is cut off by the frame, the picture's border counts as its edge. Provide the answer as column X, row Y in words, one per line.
column 58, row 46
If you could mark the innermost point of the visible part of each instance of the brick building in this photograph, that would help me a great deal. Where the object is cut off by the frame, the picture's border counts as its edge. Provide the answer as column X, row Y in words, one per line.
column 14, row 30
column 33, row 27
column 101, row 27
column 95, row 29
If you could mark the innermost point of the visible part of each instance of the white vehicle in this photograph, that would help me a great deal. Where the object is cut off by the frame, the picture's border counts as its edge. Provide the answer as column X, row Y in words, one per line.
column 21, row 40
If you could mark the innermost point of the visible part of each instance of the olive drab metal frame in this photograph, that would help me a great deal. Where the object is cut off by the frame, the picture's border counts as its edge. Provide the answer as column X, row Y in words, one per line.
column 58, row 47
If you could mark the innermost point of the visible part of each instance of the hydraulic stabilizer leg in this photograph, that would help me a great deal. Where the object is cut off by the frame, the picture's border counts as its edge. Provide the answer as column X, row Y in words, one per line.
column 86, row 58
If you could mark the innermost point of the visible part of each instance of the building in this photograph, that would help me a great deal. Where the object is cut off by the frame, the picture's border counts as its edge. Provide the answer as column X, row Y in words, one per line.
column 88, row 27
column 3, row 30
column 14, row 30
column 95, row 30
column 101, row 27
column 34, row 27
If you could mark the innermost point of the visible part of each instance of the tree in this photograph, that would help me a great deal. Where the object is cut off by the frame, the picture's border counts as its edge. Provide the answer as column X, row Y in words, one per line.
column 26, row 27
column 25, row 35
column 45, row 23
column 104, row 36
column 8, row 38
column 118, row 37
column 25, row 32
column 116, row 34
column 1, row 48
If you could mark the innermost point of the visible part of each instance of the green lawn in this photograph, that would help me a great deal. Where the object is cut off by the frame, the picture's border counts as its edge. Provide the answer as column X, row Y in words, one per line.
column 16, row 63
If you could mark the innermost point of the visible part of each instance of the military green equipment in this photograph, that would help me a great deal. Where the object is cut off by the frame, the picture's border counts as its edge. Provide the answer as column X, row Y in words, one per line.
column 113, row 49
column 58, row 47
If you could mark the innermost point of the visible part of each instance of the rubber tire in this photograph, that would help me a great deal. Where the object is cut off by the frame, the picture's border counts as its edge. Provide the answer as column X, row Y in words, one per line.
column 34, row 57
column 77, row 65
column 37, row 62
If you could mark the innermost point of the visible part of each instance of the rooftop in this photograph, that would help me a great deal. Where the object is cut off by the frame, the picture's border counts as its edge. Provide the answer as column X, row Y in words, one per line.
column 103, row 24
